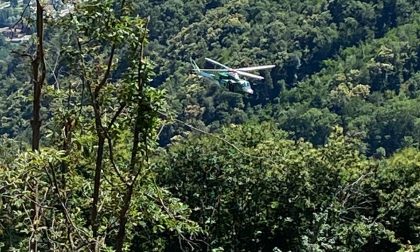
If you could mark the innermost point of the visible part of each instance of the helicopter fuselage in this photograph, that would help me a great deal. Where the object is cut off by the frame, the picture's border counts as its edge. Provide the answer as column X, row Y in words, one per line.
column 230, row 80
column 230, row 77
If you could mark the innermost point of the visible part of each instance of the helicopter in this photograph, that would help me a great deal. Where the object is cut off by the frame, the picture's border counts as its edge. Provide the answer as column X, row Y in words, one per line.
column 230, row 77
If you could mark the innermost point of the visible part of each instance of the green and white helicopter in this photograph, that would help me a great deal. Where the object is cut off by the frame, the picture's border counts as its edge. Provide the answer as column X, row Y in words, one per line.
column 230, row 77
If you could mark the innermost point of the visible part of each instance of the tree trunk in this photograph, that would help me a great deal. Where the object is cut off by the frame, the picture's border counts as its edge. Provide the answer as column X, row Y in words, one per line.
column 38, row 70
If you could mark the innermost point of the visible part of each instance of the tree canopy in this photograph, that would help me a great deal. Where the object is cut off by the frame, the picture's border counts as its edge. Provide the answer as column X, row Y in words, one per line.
column 109, row 143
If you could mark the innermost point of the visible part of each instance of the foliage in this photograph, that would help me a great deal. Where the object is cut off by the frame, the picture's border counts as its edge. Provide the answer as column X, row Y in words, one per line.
column 330, row 55
column 90, row 186
column 324, row 156
column 272, row 192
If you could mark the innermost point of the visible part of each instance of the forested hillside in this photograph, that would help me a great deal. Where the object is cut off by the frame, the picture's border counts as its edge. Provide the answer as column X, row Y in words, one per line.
column 330, row 55
column 109, row 142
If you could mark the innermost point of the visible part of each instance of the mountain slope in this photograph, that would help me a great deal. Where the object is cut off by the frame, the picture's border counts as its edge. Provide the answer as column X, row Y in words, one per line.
column 317, row 83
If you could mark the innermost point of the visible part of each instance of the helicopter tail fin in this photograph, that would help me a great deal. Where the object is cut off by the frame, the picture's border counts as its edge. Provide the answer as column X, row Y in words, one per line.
column 195, row 67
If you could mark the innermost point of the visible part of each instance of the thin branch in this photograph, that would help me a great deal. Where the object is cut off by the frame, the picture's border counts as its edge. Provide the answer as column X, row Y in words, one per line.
column 69, row 222
column 53, row 70
column 138, row 129
column 116, row 115
column 21, row 15
column 82, row 76
column 30, row 200
column 107, row 72
column 110, row 60
column 111, row 157
column 23, row 54
column 172, row 215
column 210, row 134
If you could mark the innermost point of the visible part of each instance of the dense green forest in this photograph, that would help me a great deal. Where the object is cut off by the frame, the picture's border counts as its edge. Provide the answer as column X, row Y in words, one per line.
column 110, row 143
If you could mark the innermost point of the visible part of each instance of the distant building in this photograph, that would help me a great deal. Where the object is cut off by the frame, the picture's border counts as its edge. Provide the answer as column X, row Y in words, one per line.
column 21, row 33
column 15, row 35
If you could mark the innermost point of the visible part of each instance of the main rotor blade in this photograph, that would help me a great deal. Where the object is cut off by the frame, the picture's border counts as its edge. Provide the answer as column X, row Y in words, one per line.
column 241, row 71
column 217, row 63
column 254, row 76
column 215, row 70
column 245, row 69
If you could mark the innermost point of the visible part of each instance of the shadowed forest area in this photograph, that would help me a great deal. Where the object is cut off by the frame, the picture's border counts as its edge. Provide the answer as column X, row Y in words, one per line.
column 109, row 142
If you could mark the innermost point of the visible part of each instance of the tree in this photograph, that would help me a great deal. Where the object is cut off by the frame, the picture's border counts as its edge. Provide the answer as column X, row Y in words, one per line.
column 39, row 72
column 89, row 185
column 253, row 189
